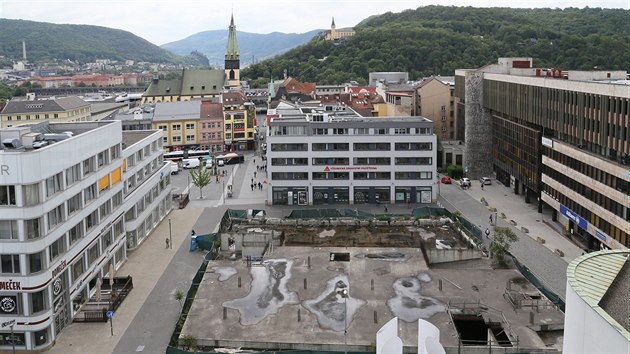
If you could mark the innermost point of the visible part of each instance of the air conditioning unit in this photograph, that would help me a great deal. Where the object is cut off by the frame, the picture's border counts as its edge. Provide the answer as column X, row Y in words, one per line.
column 29, row 139
column 12, row 143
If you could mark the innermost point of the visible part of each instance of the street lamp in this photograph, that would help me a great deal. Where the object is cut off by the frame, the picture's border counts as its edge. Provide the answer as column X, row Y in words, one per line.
column 344, row 295
column 170, row 234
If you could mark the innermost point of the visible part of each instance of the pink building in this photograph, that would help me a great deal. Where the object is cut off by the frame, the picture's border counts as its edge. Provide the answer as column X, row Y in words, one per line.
column 211, row 126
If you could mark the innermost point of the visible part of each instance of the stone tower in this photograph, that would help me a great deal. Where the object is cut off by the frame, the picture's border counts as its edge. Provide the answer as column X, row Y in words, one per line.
column 333, row 30
column 232, row 59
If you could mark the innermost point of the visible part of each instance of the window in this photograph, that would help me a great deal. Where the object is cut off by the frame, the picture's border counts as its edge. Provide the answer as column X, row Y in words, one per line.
column 331, row 147
column 7, row 195
column 88, row 166
column 8, row 230
column 102, row 158
column 93, row 254
column 340, row 131
column 77, row 269
column 413, row 146
column 163, row 127
column 177, row 139
column 76, row 233
column 190, row 126
column 165, row 140
column 105, row 209
column 401, row 131
column 289, row 175
column 371, row 175
column 331, row 161
column 331, row 175
column 74, row 204
column 114, row 152
column 372, row 146
column 414, row 160
column 73, row 174
column 36, row 262
column 117, row 200
column 91, row 220
column 413, row 175
column 381, row 131
column 53, row 184
column 38, row 301
column 289, row 147
column 320, row 131
column 10, row 264
column 108, row 238
column 190, row 138
column 57, row 248
column 177, row 127
column 89, row 194
column 443, row 118
column 55, row 216
column 362, row 131
column 362, row 161
column 33, row 228
column 443, row 108
column 31, row 194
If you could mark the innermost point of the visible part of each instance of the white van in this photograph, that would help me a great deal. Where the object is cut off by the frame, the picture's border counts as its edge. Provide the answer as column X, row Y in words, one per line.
column 209, row 163
column 190, row 163
column 221, row 162
column 174, row 168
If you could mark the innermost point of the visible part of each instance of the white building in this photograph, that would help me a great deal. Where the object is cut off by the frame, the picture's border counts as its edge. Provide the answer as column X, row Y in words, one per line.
column 330, row 155
column 64, row 191
column 597, row 316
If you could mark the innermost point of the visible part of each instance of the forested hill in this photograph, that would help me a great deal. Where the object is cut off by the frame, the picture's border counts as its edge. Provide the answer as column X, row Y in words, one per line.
column 436, row 40
column 47, row 41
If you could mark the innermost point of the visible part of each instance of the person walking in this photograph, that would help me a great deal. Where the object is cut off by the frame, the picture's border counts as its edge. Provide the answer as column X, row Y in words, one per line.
column 251, row 186
column 386, row 208
column 167, row 243
column 254, row 174
column 481, row 185
column 490, row 219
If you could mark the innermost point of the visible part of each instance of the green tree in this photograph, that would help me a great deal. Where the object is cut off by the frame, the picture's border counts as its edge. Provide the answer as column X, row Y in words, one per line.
column 179, row 296
column 500, row 243
column 201, row 177
column 454, row 171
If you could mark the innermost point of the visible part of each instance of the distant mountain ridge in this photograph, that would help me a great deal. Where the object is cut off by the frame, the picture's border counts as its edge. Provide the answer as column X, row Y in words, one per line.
column 85, row 43
column 251, row 45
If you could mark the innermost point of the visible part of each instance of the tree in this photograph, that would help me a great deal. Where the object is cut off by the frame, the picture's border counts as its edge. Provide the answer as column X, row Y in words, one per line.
column 179, row 296
column 201, row 177
column 455, row 171
column 500, row 243
column 189, row 342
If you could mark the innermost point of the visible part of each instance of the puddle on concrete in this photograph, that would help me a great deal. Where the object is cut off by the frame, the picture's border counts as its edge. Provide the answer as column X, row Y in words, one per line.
column 409, row 304
column 225, row 273
column 425, row 234
column 331, row 309
column 268, row 292
column 327, row 233
column 386, row 256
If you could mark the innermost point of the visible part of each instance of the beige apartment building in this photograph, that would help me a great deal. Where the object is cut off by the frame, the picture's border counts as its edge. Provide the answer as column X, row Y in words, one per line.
column 58, row 110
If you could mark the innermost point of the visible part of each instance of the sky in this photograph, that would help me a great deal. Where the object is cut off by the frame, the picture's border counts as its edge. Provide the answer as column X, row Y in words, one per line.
column 164, row 21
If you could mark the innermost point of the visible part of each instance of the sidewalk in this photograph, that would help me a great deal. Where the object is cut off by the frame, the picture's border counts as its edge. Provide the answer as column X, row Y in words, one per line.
column 146, row 265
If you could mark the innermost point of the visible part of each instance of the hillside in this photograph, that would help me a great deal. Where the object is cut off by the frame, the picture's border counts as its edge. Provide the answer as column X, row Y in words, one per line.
column 47, row 41
column 260, row 46
column 436, row 40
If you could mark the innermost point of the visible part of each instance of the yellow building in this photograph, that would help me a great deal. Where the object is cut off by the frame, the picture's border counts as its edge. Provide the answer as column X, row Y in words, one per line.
column 338, row 34
column 179, row 123
column 239, row 119
column 434, row 100
column 59, row 110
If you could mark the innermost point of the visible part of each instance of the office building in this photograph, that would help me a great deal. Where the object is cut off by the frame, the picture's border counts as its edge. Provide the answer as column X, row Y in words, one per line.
column 559, row 137
column 74, row 197
column 331, row 155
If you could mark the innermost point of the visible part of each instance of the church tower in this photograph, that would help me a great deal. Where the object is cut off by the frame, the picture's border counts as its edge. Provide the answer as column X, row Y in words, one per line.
column 333, row 30
column 232, row 59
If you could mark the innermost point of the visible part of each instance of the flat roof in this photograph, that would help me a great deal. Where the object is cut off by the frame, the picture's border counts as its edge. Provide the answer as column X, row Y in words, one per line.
column 130, row 137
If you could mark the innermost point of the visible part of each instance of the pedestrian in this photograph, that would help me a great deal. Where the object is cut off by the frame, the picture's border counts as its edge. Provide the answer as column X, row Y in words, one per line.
column 254, row 174
column 490, row 219
column 252, row 181
column 254, row 161
column 192, row 233
column 259, row 185
column 487, row 232
column 167, row 243
column 481, row 185
column 386, row 208
column 217, row 178
column 252, row 186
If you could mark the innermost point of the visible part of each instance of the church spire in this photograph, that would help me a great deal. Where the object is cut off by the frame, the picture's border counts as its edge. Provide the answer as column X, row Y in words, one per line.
column 333, row 22
column 232, row 48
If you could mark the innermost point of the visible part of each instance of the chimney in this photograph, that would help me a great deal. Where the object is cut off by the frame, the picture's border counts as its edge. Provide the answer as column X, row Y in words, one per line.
column 24, row 50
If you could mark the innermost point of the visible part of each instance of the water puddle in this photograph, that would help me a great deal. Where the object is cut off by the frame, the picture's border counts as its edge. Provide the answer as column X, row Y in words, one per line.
column 225, row 273
column 332, row 309
column 268, row 292
column 409, row 304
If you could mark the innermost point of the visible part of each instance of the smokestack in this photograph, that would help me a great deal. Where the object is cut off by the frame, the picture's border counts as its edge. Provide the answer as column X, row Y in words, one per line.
column 24, row 50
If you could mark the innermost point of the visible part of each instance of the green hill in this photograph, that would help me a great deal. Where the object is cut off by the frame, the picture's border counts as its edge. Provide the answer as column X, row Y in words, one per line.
column 47, row 41
column 436, row 40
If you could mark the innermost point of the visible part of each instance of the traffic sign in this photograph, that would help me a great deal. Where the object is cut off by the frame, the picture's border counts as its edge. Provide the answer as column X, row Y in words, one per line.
column 109, row 314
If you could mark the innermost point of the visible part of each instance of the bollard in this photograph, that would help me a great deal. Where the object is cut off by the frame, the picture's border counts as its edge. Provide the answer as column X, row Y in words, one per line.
column 299, row 316
column 440, row 284
column 225, row 313
column 372, row 284
column 531, row 317
column 375, row 317
column 239, row 282
column 305, row 283
column 309, row 261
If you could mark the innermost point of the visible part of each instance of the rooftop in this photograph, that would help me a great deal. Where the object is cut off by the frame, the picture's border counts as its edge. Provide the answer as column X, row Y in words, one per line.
column 61, row 104
column 27, row 137
column 602, row 279
column 130, row 137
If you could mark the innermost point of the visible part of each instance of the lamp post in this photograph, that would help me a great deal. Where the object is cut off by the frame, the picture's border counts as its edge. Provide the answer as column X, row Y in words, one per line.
column 344, row 295
column 170, row 234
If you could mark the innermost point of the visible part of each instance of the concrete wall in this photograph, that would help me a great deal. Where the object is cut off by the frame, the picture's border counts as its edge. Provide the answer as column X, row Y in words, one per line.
column 454, row 255
column 478, row 132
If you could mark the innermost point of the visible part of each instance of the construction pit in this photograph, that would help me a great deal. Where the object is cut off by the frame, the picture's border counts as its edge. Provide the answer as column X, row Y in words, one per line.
column 317, row 286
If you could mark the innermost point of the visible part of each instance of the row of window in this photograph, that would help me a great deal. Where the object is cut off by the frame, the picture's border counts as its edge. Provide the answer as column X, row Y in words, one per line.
column 151, row 195
column 177, row 127
column 143, row 153
column 427, row 146
column 421, row 175
column 134, row 181
column 345, row 161
column 35, row 116
column 178, row 139
column 302, row 130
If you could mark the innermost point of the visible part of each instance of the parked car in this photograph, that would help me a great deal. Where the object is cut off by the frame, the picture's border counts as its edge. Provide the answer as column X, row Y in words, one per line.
column 190, row 163
column 221, row 162
column 485, row 180
column 446, row 180
column 465, row 182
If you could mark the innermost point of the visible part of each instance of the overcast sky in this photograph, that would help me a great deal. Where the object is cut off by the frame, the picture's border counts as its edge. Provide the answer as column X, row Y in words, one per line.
column 163, row 21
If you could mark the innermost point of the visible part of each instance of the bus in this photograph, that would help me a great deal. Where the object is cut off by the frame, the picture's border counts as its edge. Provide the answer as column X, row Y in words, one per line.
column 179, row 155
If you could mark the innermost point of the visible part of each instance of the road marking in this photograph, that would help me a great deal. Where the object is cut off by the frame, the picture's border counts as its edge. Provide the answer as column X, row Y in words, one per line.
column 140, row 348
